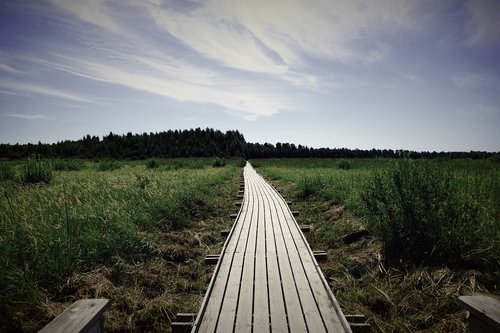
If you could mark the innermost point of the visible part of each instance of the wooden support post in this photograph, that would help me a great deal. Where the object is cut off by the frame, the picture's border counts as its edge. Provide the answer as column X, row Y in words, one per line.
column 305, row 228
column 212, row 259
column 484, row 313
column 358, row 323
column 183, row 322
column 320, row 255
column 83, row 316
column 225, row 232
column 295, row 212
column 233, row 216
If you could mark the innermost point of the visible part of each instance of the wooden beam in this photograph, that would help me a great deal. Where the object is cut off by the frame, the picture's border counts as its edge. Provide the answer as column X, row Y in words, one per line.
column 225, row 232
column 83, row 316
column 305, row 227
column 288, row 203
column 320, row 255
column 233, row 216
column 212, row 259
column 295, row 212
column 484, row 313
column 360, row 327
column 239, row 196
column 355, row 318
column 238, row 204
column 185, row 317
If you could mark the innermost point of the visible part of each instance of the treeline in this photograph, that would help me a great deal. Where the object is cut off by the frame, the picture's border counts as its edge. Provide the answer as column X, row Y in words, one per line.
column 169, row 144
column 267, row 150
column 200, row 143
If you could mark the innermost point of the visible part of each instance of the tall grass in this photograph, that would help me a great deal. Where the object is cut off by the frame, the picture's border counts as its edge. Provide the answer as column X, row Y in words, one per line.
column 86, row 218
column 36, row 170
column 68, row 164
column 426, row 214
column 7, row 172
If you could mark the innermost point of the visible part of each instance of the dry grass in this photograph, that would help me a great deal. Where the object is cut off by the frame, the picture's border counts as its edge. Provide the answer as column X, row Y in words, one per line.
column 165, row 276
column 421, row 299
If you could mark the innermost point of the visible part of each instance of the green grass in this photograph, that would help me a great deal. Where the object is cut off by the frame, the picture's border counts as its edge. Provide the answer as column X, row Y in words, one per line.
column 423, row 211
column 434, row 234
column 36, row 171
column 426, row 214
column 68, row 164
column 86, row 218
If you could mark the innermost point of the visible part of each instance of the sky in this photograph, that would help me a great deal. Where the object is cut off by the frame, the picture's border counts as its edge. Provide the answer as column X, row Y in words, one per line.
column 417, row 75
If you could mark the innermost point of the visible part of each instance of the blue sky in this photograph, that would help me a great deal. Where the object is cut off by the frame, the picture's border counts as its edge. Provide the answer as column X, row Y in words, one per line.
column 418, row 75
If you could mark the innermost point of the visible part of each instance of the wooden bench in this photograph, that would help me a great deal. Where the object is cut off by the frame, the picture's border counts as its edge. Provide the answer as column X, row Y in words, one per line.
column 83, row 316
column 484, row 313
column 267, row 277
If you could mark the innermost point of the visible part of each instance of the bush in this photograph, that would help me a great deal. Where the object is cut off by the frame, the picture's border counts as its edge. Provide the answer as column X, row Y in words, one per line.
column 109, row 165
column 309, row 186
column 424, row 214
column 344, row 164
column 68, row 165
column 152, row 164
column 7, row 172
column 218, row 162
column 36, row 171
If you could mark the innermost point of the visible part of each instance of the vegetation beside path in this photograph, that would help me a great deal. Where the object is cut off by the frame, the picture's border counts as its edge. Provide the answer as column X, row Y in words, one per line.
column 434, row 233
column 133, row 232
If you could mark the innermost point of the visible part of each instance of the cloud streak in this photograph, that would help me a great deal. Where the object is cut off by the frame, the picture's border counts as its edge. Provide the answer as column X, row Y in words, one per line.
column 14, row 87
column 26, row 116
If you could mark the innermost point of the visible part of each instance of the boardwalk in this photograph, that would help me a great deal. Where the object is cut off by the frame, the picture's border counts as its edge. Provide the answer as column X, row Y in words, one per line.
column 267, row 278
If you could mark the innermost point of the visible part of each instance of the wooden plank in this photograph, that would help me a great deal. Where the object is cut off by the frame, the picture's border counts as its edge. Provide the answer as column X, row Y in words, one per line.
column 210, row 314
column 310, row 309
column 484, row 308
column 82, row 316
column 330, row 311
column 261, row 308
column 227, row 315
column 245, row 305
column 295, row 316
column 277, row 309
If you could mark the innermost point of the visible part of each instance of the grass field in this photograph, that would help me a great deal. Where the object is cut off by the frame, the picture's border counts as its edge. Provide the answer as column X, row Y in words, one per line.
column 137, row 232
column 134, row 232
column 434, row 233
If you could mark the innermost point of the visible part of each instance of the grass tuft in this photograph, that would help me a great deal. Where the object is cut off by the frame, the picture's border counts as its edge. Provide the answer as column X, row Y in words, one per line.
column 37, row 171
column 429, row 215
column 68, row 164
column 344, row 164
column 218, row 162
column 109, row 165
column 152, row 164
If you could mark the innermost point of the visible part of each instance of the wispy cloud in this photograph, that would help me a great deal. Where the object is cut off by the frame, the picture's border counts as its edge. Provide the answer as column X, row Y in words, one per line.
column 90, row 11
column 276, row 39
column 476, row 80
column 484, row 24
column 26, row 116
column 15, row 87
column 7, row 68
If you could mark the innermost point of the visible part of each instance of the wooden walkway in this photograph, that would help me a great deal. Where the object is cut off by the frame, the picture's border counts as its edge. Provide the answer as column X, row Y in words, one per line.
column 267, row 279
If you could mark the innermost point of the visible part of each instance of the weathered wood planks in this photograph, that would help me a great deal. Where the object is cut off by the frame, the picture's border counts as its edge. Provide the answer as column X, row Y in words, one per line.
column 83, row 316
column 267, row 278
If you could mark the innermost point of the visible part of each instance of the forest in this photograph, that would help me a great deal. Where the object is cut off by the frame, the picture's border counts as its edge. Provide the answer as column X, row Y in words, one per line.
column 199, row 143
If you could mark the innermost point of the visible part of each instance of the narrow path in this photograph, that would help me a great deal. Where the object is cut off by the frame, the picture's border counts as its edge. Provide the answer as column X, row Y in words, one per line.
column 267, row 279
